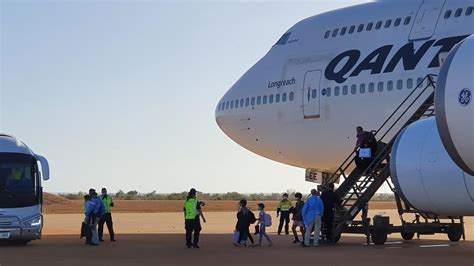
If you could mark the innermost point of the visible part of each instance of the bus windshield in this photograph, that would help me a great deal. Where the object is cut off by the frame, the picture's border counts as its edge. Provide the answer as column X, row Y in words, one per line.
column 19, row 181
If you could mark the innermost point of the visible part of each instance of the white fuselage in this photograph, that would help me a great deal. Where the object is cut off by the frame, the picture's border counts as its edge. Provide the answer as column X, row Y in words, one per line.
column 330, row 78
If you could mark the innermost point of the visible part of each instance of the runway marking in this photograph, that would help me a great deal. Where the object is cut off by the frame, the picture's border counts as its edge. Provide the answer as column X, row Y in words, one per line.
column 386, row 243
column 435, row 246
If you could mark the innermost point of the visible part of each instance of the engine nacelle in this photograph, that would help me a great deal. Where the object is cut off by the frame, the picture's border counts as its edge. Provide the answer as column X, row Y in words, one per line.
column 454, row 104
column 426, row 176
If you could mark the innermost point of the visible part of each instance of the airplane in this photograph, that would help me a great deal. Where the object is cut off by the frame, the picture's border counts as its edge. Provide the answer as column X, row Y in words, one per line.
column 302, row 101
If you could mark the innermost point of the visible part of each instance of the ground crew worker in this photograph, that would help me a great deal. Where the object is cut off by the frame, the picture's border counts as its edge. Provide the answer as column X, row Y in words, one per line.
column 284, row 208
column 107, row 217
column 192, row 223
column 17, row 174
column 16, row 177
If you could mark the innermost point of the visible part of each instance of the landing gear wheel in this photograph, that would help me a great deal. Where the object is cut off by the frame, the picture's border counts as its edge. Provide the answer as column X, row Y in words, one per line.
column 336, row 238
column 379, row 237
column 408, row 236
column 454, row 234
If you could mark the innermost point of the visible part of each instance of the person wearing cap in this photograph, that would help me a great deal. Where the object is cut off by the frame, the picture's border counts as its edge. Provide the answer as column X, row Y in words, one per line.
column 284, row 208
column 107, row 217
column 298, row 218
column 192, row 215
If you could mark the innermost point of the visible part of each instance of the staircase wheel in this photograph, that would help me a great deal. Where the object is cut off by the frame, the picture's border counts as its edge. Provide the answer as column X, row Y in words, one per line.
column 379, row 237
column 454, row 234
column 407, row 236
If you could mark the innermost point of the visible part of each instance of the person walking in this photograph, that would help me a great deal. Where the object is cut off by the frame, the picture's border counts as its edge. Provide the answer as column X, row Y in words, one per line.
column 313, row 209
column 365, row 142
column 264, row 220
column 107, row 217
column 192, row 223
column 245, row 217
column 330, row 199
column 298, row 218
column 283, row 210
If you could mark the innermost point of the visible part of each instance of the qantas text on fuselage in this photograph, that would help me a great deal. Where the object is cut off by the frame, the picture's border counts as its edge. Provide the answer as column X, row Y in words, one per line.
column 375, row 61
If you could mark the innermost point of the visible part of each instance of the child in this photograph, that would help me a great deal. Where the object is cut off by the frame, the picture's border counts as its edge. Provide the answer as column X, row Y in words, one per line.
column 264, row 220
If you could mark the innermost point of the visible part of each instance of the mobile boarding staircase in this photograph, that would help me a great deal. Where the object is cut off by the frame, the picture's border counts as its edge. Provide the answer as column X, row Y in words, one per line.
column 362, row 183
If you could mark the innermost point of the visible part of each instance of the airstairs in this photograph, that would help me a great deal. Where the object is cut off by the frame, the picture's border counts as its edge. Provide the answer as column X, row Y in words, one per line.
column 361, row 184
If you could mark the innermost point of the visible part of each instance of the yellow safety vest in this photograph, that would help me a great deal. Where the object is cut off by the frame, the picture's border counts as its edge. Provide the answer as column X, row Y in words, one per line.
column 107, row 200
column 190, row 207
column 17, row 173
column 285, row 205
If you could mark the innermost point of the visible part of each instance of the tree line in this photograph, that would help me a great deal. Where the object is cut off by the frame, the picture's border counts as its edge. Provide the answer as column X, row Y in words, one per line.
column 229, row 196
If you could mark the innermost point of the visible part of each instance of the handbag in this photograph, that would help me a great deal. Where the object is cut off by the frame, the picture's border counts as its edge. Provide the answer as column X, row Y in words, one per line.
column 365, row 153
column 236, row 237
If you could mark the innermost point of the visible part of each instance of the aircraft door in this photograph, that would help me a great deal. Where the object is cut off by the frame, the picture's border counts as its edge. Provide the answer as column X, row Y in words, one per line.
column 311, row 95
column 426, row 20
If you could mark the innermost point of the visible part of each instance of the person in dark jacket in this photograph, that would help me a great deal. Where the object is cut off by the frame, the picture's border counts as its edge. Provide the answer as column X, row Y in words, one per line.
column 85, row 229
column 245, row 217
column 330, row 199
column 365, row 140
column 298, row 218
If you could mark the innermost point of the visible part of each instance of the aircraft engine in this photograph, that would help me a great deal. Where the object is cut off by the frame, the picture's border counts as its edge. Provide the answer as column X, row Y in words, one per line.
column 454, row 104
column 426, row 176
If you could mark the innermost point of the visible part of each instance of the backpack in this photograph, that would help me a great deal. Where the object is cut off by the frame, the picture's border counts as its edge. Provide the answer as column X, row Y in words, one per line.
column 268, row 220
column 252, row 218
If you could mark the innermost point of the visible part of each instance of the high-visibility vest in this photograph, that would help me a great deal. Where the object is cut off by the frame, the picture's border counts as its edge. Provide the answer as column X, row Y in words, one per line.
column 107, row 200
column 17, row 173
column 285, row 205
column 190, row 207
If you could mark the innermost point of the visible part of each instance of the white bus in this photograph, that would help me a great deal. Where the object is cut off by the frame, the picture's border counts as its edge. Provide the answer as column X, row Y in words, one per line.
column 21, row 171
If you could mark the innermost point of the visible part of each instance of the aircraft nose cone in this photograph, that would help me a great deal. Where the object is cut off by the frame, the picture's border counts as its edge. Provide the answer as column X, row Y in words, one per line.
column 221, row 116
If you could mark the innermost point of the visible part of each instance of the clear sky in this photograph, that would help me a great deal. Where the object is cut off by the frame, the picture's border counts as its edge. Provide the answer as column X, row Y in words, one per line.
column 122, row 94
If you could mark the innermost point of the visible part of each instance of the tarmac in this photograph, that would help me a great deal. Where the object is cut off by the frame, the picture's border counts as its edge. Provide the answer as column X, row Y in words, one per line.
column 158, row 239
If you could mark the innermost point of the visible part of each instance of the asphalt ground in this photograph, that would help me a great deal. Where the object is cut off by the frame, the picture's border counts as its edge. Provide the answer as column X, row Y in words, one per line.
column 158, row 239
column 217, row 249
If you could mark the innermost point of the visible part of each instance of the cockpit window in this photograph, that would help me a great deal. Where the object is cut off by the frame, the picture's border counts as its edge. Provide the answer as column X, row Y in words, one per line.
column 284, row 39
